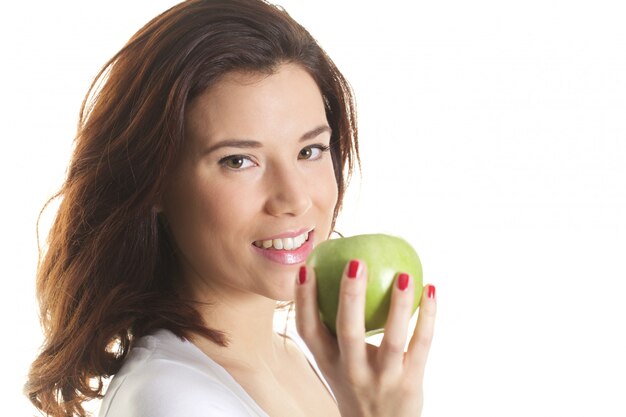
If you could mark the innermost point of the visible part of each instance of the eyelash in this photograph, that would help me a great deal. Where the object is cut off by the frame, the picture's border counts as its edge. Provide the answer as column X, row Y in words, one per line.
column 223, row 161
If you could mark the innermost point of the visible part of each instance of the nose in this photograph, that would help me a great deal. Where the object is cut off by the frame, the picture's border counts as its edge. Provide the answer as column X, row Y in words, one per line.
column 289, row 192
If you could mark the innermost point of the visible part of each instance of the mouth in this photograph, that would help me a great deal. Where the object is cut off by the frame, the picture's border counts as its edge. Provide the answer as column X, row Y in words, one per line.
column 293, row 249
column 286, row 243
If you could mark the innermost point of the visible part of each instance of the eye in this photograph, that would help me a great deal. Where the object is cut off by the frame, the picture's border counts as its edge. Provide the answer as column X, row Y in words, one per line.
column 235, row 162
column 313, row 152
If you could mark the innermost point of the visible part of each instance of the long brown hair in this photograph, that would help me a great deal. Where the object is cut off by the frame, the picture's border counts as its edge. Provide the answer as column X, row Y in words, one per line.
column 107, row 274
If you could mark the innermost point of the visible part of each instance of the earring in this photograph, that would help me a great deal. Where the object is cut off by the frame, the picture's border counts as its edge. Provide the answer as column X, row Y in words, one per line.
column 334, row 231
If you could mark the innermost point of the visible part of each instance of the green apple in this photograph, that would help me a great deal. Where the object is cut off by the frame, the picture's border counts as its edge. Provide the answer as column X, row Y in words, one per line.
column 386, row 257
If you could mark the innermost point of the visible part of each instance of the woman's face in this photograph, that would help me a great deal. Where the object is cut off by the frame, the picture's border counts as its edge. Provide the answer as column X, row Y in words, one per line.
column 256, row 171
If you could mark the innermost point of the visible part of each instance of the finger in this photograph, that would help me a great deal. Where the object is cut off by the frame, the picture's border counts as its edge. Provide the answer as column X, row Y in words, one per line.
column 419, row 346
column 310, row 328
column 351, row 315
column 391, row 352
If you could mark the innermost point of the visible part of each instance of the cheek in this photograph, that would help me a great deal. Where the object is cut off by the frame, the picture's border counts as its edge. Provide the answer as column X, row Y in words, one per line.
column 200, row 214
column 325, row 189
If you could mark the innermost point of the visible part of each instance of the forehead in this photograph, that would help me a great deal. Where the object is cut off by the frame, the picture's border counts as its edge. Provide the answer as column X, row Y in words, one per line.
column 257, row 106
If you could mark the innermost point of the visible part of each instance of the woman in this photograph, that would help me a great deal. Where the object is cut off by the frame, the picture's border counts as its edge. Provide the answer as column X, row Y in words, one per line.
column 212, row 155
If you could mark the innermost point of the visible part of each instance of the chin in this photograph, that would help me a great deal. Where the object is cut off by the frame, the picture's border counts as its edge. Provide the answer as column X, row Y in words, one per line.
column 284, row 293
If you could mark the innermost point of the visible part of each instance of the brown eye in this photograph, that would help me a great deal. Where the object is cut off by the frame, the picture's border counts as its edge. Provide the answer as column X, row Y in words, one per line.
column 234, row 162
column 306, row 153
column 313, row 152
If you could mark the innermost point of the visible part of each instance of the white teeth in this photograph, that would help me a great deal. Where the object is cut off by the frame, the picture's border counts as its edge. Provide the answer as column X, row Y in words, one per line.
column 288, row 243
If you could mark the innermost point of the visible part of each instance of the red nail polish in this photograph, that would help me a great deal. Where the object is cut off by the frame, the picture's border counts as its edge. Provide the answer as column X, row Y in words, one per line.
column 403, row 281
column 431, row 291
column 302, row 275
column 353, row 269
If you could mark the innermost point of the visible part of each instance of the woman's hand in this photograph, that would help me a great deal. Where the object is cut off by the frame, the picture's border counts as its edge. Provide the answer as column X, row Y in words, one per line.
column 368, row 380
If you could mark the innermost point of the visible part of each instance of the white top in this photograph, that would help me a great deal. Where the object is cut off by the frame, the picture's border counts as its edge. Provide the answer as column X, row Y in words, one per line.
column 164, row 376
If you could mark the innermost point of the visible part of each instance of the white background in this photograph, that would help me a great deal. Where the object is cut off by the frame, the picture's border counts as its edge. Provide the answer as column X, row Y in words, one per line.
column 493, row 138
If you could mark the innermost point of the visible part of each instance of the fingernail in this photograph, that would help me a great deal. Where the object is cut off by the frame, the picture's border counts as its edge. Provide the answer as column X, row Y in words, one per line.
column 353, row 269
column 431, row 291
column 302, row 275
column 403, row 281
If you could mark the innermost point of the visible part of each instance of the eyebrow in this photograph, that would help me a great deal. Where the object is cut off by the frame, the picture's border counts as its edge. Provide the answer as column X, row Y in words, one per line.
column 247, row 143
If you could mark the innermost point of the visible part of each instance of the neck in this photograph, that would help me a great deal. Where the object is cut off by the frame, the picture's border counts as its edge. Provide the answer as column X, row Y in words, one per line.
column 247, row 320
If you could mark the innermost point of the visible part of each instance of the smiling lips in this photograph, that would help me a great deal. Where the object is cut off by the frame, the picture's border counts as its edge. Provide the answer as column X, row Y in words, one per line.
column 286, row 251
column 288, row 243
